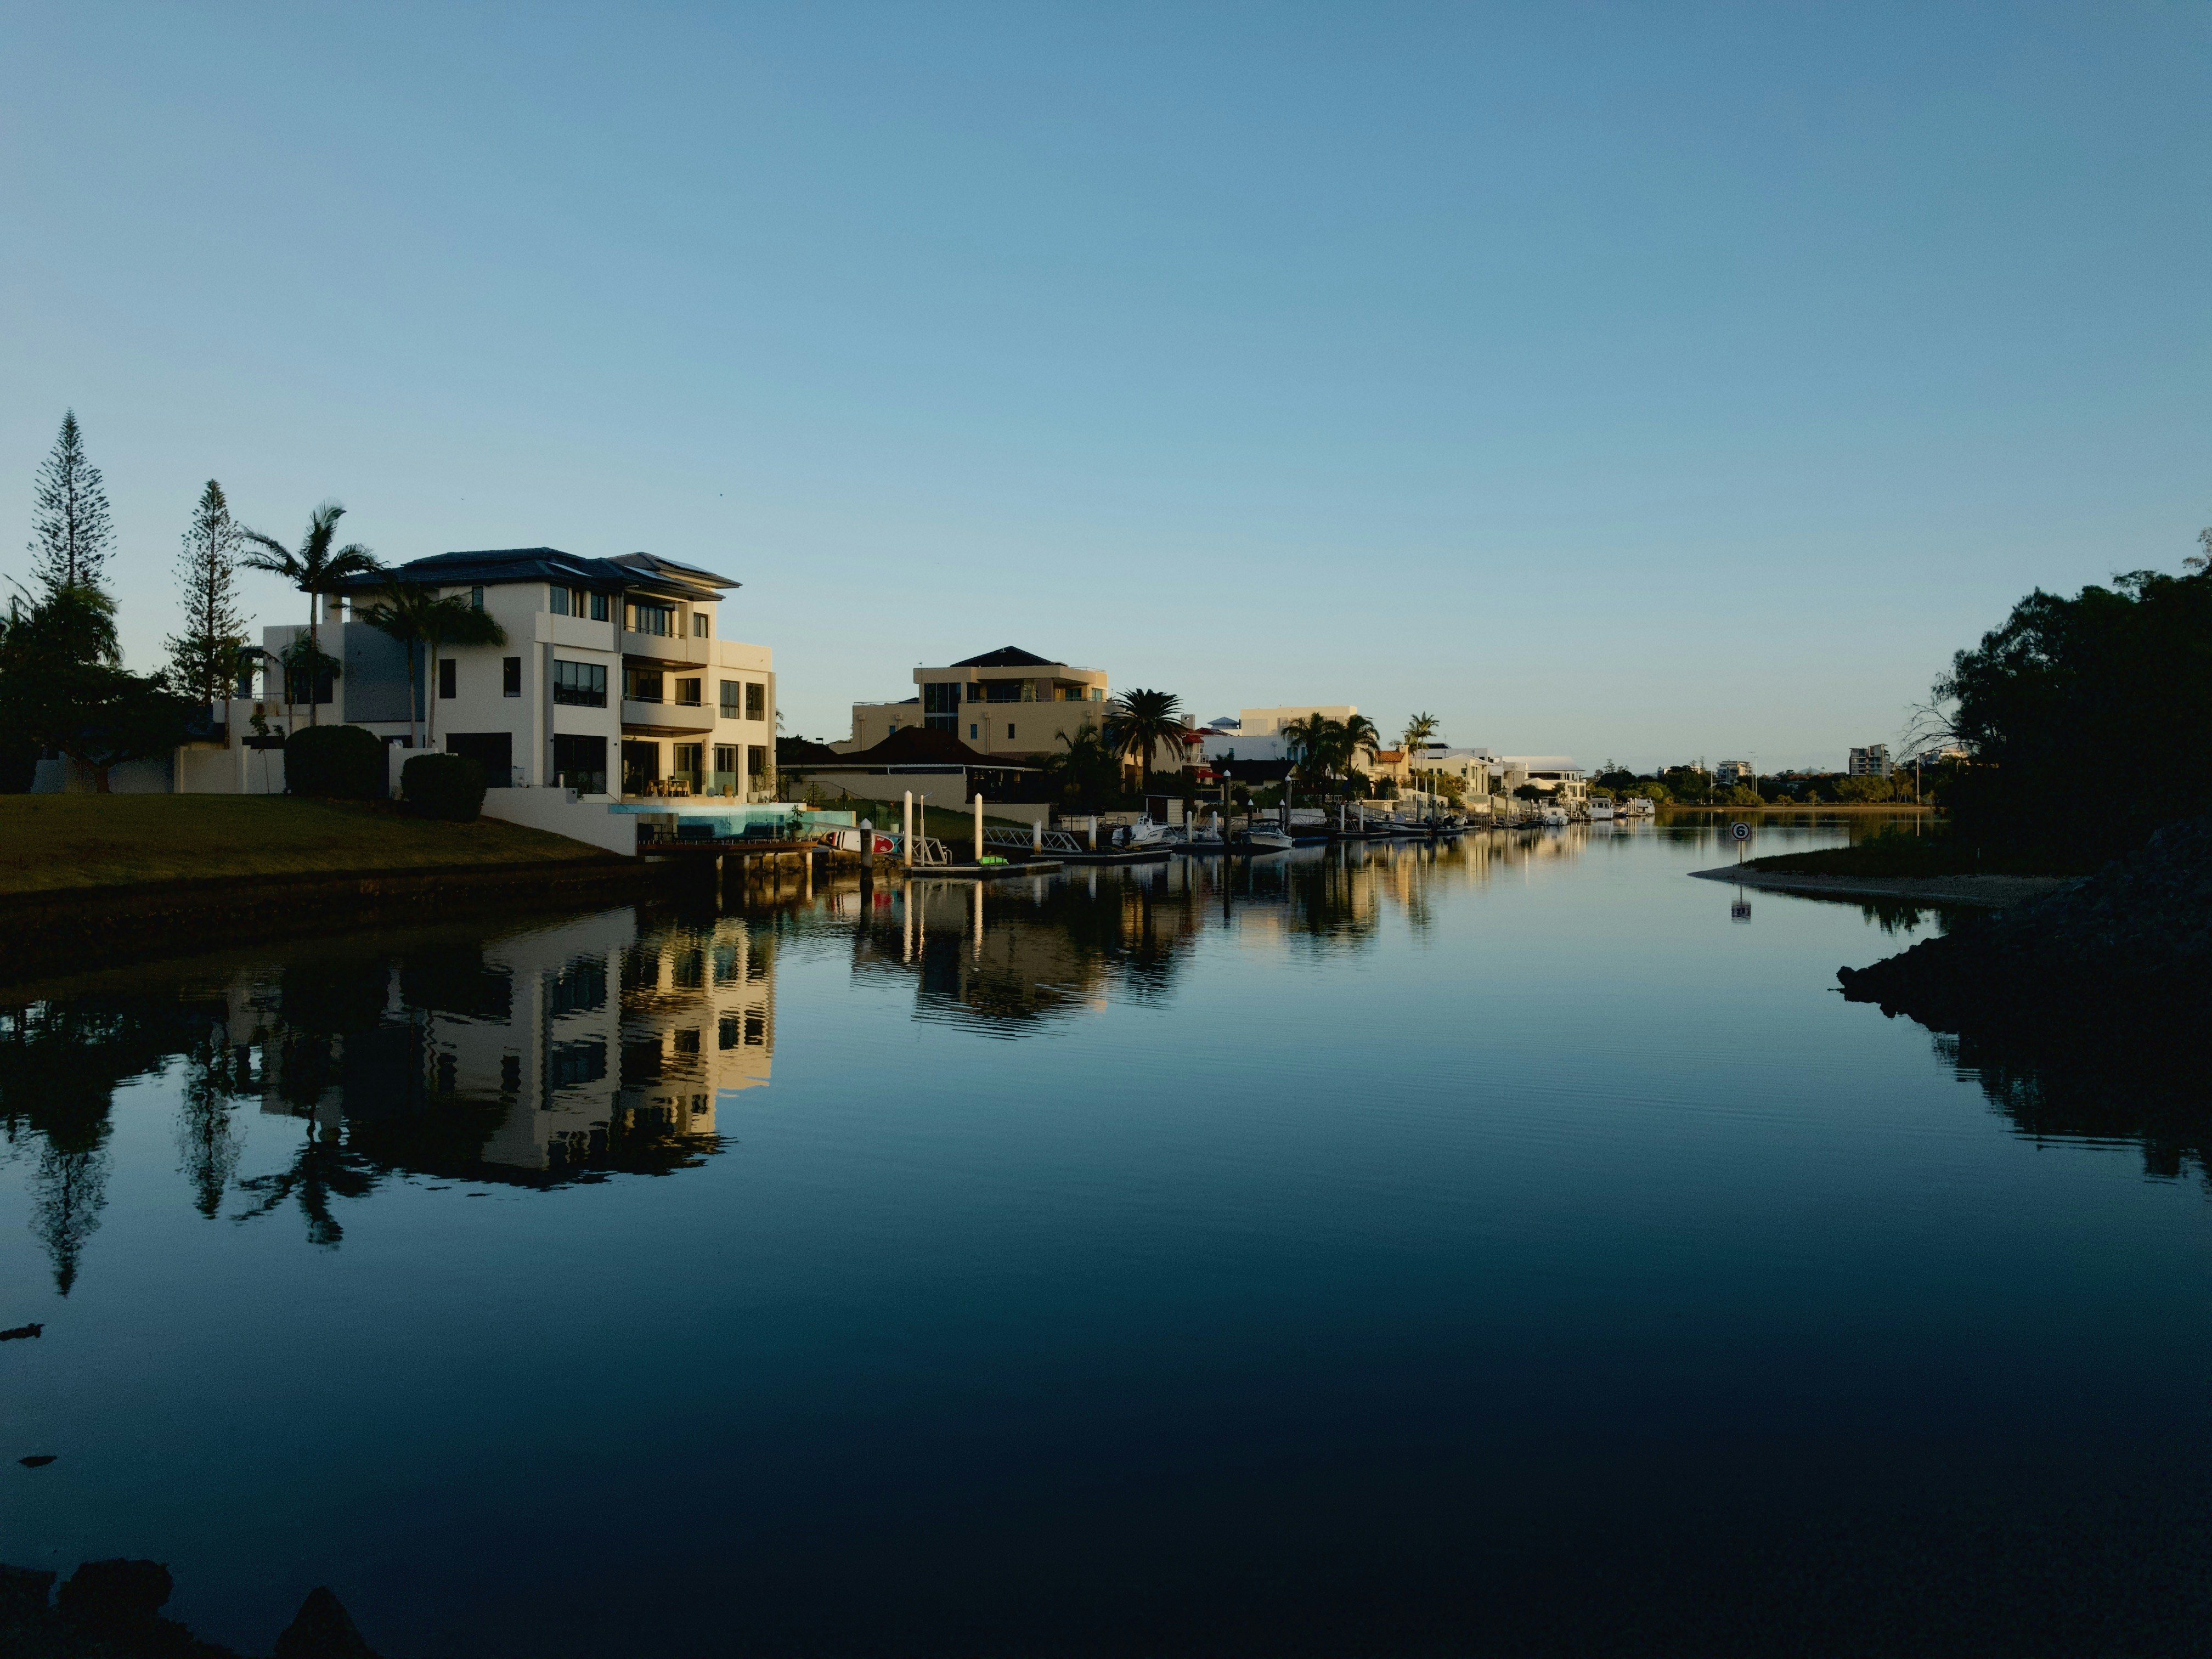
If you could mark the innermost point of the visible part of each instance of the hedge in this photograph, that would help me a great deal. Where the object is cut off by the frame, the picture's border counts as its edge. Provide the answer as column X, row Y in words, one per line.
column 344, row 762
column 444, row 786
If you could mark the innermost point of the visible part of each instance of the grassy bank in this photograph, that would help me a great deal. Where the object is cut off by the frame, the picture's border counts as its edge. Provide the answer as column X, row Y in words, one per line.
column 1892, row 855
column 62, row 843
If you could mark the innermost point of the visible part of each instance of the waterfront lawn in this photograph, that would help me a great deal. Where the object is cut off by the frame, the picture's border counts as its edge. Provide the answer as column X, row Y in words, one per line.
column 55, row 843
column 1895, row 854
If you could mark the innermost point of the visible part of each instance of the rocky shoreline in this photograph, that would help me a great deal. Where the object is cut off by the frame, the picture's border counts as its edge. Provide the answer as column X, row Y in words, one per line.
column 2128, row 948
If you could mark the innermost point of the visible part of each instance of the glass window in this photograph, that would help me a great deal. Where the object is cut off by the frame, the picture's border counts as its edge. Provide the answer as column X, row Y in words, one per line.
column 658, row 619
column 580, row 763
column 971, row 731
column 756, row 761
column 447, row 677
column 726, row 757
column 729, row 700
column 510, row 677
column 755, row 701
column 1009, row 730
column 702, row 625
column 476, row 599
column 602, row 607
column 584, row 684
column 687, row 693
column 559, row 601
column 642, row 685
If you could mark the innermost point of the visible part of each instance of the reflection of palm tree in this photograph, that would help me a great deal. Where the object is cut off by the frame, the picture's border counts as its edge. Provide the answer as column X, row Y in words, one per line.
column 315, row 568
column 320, row 1170
column 205, row 1140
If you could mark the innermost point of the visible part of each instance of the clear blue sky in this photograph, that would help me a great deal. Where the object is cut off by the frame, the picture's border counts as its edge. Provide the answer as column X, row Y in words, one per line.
column 1640, row 381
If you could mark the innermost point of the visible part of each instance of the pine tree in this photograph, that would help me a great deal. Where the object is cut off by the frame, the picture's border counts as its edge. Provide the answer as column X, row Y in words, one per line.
column 71, row 536
column 204, row 658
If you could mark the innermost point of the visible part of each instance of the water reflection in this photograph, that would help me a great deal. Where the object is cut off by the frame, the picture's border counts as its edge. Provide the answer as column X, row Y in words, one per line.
column 537, row 1058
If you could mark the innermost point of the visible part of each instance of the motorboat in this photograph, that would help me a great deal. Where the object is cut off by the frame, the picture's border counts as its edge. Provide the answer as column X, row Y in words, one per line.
column 1601, row 812
column 1552, row 817
column 1265, row 838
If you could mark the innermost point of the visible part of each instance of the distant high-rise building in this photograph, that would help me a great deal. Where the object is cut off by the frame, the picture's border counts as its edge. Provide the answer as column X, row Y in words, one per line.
column 1871, row 762
column 1729, row 773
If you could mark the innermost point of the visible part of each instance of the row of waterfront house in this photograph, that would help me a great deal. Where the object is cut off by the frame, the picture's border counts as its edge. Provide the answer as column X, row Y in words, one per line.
column 620, row 687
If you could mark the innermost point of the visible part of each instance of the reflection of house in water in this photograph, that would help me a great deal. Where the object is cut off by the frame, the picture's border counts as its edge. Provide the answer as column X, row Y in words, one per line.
column 585, row 1045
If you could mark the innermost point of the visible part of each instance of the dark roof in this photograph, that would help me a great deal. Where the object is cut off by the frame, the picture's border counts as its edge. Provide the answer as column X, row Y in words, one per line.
column 638, row 571
column 802, row 751
column 919, row 745
column 1007, row 656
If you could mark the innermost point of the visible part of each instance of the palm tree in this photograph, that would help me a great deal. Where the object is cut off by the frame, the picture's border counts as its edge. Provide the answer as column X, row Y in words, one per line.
column 1361, row 737
column 1419, row 728
column 315, row 570
column 419, row 619
column 1138, row 723
column 1316, row 745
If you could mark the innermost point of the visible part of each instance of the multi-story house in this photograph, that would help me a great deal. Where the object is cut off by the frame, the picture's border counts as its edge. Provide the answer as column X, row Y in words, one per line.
column 1871, row 762
column 1008, row 701
column 616, row 676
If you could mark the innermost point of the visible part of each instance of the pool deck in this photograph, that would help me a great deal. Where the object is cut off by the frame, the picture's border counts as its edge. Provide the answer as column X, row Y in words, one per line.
column 1979, row 892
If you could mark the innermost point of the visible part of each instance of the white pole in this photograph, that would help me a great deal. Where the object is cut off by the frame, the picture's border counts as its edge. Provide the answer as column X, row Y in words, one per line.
column 979, row 829
column 1094, row 832
column 1037, row 836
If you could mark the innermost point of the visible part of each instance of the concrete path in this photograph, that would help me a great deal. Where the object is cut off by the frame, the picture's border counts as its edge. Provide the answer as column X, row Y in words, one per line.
column 1986, row 892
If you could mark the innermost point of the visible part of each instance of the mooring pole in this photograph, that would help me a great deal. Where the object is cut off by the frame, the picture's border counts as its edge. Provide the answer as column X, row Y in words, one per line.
column 979, row 826
column 906, row 830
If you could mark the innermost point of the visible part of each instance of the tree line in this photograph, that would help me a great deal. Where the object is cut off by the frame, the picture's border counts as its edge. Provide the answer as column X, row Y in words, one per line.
column 64, row 688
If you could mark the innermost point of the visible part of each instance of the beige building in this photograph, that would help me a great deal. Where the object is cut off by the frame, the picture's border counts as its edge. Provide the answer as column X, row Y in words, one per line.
column 1267, row 722
column 1008, row 701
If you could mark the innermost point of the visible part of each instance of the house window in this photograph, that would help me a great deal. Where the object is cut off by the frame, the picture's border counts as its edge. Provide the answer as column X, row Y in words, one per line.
column 642, row 685
column 640, row 763
column 510, row 677
column 729, row 700
column 688, row 758
column 580, row 763
column 725, row 764
column 476, row 599
column 703, row 624
column 971, row 731
column 446, row 677
column 756, row 761
column 558, row 601
column 1098, row 694
column 584, row 684
column 1010, row 729
column 660, row 619
column 601, row 608
column 687, row 693
column 756, row 702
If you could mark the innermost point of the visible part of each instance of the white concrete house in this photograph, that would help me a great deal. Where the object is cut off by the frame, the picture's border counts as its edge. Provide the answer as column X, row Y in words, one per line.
column 617, row 680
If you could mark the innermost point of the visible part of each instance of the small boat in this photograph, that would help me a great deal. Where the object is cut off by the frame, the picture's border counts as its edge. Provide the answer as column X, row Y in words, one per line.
column 1264, row 839
column 1552, row 817
column 1601, row 812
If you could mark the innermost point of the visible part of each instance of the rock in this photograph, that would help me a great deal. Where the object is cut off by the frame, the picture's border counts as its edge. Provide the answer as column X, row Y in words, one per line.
column 322, row 1629
column 23, row 1588
column 114, row 1595
column 20, row 1331
column 2132, row 942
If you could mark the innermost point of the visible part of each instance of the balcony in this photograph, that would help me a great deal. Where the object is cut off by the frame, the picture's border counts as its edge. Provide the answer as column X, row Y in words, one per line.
column 682, row 649
column 669, row 716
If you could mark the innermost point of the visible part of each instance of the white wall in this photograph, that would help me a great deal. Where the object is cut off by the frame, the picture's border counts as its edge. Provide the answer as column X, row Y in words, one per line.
column 585, row 819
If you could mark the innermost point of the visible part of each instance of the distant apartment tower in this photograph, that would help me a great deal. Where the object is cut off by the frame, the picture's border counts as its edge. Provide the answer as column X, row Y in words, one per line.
column 1729, row 773
column 1871, row 762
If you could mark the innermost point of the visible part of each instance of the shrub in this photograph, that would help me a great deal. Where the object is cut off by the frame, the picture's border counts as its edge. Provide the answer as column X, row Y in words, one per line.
column 342, row 762
column 444, row 786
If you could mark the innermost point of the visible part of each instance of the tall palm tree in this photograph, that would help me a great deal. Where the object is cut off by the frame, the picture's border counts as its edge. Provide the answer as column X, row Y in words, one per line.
column 314, row 567
column 1419, row 728
column 1361, row 737
column 1316, row 745
column 1138, row 723
column 419, row 619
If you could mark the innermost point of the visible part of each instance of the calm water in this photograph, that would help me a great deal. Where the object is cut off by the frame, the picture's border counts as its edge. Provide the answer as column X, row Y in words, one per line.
column 1514, row 1248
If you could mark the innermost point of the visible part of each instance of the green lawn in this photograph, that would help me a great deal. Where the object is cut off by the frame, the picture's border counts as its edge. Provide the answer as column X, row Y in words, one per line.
column 57, row 843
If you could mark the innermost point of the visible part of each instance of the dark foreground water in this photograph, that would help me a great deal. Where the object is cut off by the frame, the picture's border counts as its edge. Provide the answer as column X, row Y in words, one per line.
column 1518, row 1247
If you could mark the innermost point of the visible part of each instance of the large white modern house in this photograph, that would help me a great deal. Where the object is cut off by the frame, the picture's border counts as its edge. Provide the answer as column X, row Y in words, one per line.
column 616, row 677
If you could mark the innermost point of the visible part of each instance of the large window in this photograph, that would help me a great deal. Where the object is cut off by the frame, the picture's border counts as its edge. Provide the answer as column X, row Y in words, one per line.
column 702, row 623
column 940, row 704
column 557, row 601
column 642, row 684
column 448, row 677
column 602, row 607
column 729, row 704
column 580, row 763
column 755, row 701
column 653, row 619
column 583, row 684
column 690, row 765
column 687, row 693
column 510, row 677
